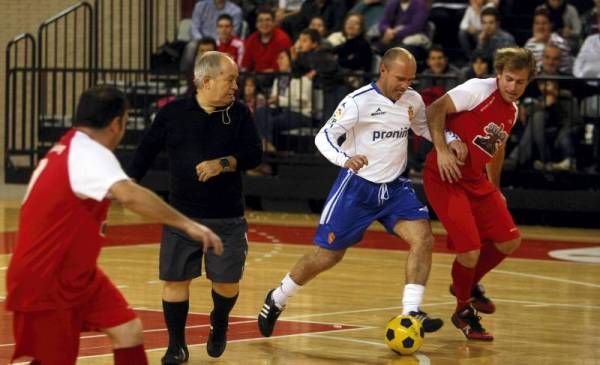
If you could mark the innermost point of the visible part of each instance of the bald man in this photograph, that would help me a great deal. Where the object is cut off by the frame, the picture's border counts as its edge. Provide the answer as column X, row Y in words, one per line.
column 376, row 120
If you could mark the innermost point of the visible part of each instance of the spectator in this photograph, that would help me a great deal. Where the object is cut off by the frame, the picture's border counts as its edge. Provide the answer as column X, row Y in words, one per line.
column 319, row 65
column 470, row 26
column 542, row 35
column 318, row 23
column 372, row 11
column 439, row 72
column 287, row 8
column 588, row 20
column 205, row 17
column 565, row 20
column 289, row 106
column 332, row 12
column 251, row 96
column 263, row 46
column 403, row 24
column 549, row 116
column 203, row 45
column 439, row 77
column 227, row 41
column 492, row 37
column 587, row 65
column 587, row 62
column 354, row 54
column 479, row 67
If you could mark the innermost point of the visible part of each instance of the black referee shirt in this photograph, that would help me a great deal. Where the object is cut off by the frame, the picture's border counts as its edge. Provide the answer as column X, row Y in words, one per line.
column 191, row 136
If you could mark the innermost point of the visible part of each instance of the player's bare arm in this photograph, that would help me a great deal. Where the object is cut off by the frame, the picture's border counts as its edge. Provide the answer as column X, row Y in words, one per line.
column 211, row 168
column 146, row 203
column 448, row 162
column 355, row 163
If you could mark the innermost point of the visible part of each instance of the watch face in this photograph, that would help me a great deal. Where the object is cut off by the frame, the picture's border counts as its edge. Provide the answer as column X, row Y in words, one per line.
column 224, row 162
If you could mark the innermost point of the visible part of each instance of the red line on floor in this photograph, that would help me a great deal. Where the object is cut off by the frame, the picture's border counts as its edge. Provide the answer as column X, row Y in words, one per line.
column 155, row 334
column 132, row 234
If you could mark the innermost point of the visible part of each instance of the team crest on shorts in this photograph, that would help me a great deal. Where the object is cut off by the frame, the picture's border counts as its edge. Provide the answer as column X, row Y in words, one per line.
column 330, row 237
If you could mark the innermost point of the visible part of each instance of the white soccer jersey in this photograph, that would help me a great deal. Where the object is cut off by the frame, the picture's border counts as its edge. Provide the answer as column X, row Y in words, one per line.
column 375, row 127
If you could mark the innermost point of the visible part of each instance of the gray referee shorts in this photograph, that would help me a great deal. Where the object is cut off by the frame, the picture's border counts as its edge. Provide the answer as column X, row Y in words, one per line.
column 181, row 257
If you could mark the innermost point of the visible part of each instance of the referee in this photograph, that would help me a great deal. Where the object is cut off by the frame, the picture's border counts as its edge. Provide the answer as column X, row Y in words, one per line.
column 209, row 139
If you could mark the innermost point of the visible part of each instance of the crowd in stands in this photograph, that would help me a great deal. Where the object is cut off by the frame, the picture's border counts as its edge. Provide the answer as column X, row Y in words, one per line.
column 301, row 57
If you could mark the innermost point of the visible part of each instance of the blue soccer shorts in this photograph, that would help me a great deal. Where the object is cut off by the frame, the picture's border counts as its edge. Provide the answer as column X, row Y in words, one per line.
column 354, row 203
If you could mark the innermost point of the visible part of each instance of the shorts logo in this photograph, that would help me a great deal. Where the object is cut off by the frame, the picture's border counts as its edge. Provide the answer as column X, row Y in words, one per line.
column 494, row 138
column 377, row 112
column 330, row 237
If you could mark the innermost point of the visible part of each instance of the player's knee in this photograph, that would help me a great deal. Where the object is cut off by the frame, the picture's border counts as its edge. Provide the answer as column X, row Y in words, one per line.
column 468, row 259
column 329, row 258
column 176, row 291
column 425, row 242
column 509, row 247
column 226, row 289
column 128, row 334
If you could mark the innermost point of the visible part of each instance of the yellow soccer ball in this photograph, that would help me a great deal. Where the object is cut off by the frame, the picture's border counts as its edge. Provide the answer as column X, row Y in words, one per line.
column 404, row 334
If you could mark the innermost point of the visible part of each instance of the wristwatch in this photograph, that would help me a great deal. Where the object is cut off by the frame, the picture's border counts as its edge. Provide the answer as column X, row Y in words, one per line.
column 224, row 162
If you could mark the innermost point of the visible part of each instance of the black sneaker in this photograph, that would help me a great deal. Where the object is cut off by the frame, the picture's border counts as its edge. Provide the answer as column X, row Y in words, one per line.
column 428, row 324
column 479, row 300
column 469, row 323
column 217, row 339
column 175, row 356
column 268, row 315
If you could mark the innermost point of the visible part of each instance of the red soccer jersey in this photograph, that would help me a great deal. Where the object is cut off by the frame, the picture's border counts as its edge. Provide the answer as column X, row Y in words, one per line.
column 61, row 226
column 483, row 120
column 234, row 47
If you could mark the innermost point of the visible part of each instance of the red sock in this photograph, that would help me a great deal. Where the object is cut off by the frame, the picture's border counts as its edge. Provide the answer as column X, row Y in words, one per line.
column 462, row 282
column 130, row 356
column 489, row 258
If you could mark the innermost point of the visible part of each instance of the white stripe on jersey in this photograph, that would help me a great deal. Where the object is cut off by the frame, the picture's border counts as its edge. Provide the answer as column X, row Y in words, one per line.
column 375, row 127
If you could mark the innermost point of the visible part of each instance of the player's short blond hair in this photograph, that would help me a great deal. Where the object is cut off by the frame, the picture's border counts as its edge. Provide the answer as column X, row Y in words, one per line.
column 515, row 58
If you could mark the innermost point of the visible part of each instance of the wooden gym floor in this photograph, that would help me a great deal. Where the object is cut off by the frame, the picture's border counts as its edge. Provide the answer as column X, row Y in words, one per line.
column 547, row 294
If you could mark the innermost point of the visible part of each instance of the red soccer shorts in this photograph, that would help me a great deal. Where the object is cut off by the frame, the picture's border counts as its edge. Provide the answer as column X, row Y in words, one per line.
column 52, row 337
column 469, row 218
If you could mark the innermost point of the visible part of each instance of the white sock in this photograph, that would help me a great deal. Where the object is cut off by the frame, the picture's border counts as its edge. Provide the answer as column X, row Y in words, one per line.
column 286, row 290
column 412, row 298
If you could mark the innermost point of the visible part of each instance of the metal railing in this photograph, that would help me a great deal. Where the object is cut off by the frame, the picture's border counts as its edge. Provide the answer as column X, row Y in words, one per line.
column 110, row 41
column 19, row 102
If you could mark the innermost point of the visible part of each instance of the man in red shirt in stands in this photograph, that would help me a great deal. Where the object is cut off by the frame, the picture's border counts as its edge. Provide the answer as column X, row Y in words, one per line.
column 55, row 288
column 464, row 190
column 263, row 46
column 227, row 42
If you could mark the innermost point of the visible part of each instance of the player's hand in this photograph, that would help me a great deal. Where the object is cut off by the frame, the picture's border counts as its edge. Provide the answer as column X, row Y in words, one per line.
column 207, row 169
column 355, row 163
column 448, row 165
column 201, row 233
column 459, row 149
